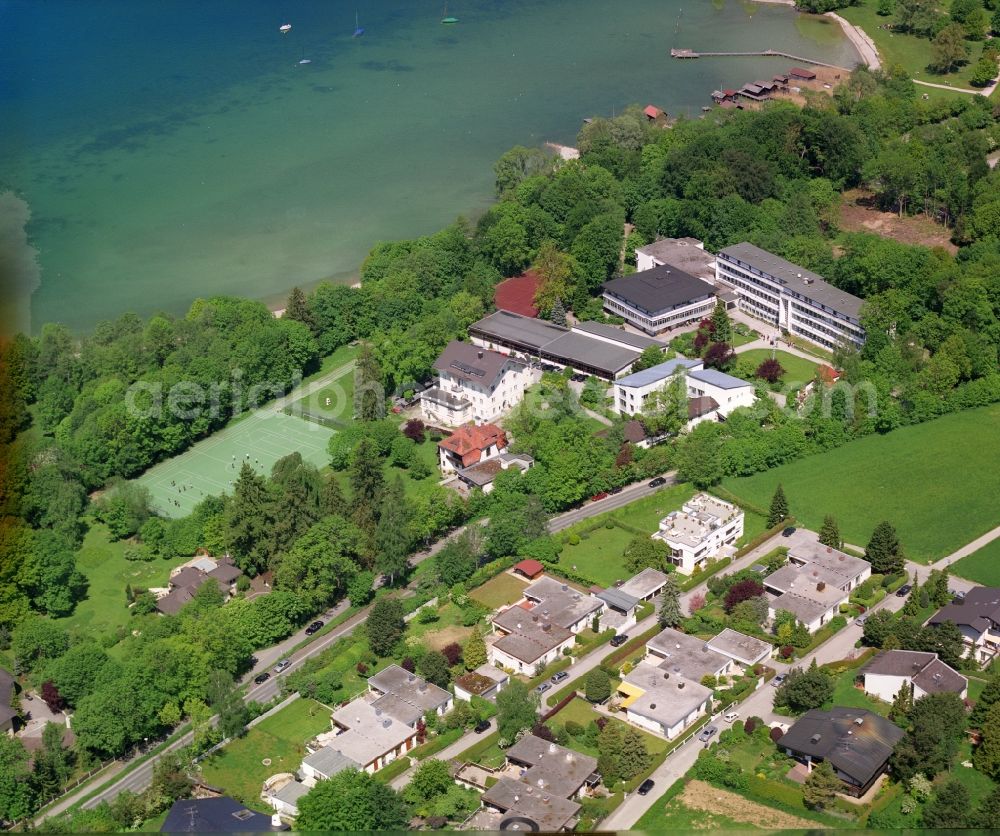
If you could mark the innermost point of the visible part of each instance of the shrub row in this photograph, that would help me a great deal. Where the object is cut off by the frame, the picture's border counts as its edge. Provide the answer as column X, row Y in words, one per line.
column 764, row 536
column 613, row 659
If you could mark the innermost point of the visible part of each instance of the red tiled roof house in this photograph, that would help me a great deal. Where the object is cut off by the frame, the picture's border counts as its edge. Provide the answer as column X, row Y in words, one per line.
column 469, row 445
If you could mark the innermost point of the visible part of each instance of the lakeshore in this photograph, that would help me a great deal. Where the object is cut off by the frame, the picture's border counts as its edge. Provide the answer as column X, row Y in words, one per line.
column 237, row 170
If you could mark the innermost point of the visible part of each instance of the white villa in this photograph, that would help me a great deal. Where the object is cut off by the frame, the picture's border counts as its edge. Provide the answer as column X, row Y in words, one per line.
column 925, row 672
column 474, row 385
column 704, row 528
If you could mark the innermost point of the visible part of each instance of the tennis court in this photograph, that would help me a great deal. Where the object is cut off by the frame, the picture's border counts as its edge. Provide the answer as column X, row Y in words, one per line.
column 211, row 466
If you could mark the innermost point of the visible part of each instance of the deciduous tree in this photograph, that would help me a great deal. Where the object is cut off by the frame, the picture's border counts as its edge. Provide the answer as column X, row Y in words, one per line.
column 351, row 801
column 385, row 625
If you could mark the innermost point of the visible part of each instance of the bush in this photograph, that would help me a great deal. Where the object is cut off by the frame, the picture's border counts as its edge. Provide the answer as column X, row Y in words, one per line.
column 787, row 651
column 573, row 728
column 721, row 773
column 776, row 734
column 573, row 539
column 751, row 724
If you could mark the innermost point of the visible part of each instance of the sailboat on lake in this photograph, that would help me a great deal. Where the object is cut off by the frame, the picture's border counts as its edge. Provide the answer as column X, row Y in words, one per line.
column 446, row 19
column 358, row 29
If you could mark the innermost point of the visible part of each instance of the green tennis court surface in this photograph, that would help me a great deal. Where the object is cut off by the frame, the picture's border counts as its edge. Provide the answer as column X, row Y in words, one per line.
column 211, row 466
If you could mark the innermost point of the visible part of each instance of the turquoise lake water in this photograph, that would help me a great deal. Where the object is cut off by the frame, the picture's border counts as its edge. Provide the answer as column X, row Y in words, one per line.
column 167, row 150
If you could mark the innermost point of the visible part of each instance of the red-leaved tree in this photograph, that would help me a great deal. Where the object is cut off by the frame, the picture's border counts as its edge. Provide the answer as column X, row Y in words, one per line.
column 52, row 698
column 452, row 652
column 415, row 429
column 770, row 370
column 706, row 330
column 742, row 591
column 720, row 356
column 696, row 601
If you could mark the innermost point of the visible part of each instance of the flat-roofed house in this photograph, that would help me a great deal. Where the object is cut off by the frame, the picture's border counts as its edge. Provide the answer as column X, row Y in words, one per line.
column 978, row 619
column 543, row 796
column 662, row 701
column 856, row 743
column 377, row 727
column 486, row 681
column 619, row 614
column 535, row 631
column 703, row 529
column 843, row 570
column 631, row 391
column 727, row 391
column 646, row 585
column 745, row 650
column 659, row 299
column 884, row 675
column 469, row 445
column 687, row 254
column 474, row 385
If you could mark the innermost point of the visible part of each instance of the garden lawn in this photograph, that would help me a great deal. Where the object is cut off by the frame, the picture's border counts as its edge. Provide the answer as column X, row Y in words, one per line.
column 909, row 51
column 583, row 713
column 598, row 556
column 982, row 566
column 105, row 611
column 444, row 630
column 845, row 695
column 797, row 369
column 670, row 813
column 936, row 482
column 239, row 767
column 500, row 591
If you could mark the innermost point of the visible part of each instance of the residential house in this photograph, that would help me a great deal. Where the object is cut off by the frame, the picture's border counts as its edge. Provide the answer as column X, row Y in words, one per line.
column 814, row 583
column 8, row 689
column 728, row 392
column 646, row 585
column 469, row 445
column 884, row 675
column 704, row 528
column 486, row 681
column 285, row 793
column 745, row 651
column 790, row 297
column 659, row 299
column 483, row 474
column 711, row 393
column 188, row 578
column 539, row 786
column 546, row 342
column 536, row 630
column 217, row 815
column 619, row 614
column 855, row 742
column 474, row 385
column 631, row 392
column 978, row 619
column 377, row 727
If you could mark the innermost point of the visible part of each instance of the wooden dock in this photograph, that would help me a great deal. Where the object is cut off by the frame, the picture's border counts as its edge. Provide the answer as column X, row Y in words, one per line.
column 767, row 53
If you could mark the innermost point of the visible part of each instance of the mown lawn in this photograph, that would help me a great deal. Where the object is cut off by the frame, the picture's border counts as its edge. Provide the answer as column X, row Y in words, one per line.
column 982, row 566
column 582, row 712
column 500, row 591
column 936, row 482
column 909, row 51
column 598, row 556
column 797, row 369
column 239, row 768
column 105, row 610
column 673, row 814
column 845, row 695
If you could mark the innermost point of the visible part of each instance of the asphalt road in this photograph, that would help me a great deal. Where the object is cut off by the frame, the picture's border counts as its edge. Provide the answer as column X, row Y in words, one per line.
column 139, row 779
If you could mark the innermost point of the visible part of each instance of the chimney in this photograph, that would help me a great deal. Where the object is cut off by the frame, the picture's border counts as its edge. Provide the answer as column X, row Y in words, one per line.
column 680, row 685
column 479, row 354
column 820, row 586
column 552, row 748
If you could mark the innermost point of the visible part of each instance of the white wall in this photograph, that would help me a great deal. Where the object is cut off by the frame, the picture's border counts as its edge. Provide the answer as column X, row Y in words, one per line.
column 883, row 686
column 727, row 399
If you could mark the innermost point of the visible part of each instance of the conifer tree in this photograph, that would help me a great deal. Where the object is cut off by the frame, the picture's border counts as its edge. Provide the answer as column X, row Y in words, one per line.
column 366, row 475
column 369, row 391
column 829, row 534
column 392, row 534
column 902, row 702
column 474, row 652
column 248, row 522
column 670, row 614
column 779, row 508
column 723, row 324
column 821, row 787
column 558, row 313
column 297, row 308
column 912, row 605
column 884, row 552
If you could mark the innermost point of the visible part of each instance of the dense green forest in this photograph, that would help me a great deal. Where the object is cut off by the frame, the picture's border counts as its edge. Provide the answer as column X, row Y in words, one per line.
column 771, row 177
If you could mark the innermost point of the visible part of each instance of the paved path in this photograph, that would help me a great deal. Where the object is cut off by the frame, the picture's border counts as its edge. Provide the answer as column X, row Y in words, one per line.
column 577, row 671
column 780, row 346
column 862, row 43
column 631, row 493
column 969, row 548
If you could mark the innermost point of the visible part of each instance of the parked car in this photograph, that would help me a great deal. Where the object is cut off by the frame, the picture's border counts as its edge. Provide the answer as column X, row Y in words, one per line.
column 282, row 665
column 617, row 489
column 578, row 378
column 482, row 726
column 731, row 716
column 860, row 620
column 778, row 679
column 659, row 480
column 707, row 733
column 545, row 686
column 261, row 678
column 904, row 590
column 597, row 497
column 618, row 641
column 957, row 595
column 646, row 786
column 314, row 628
column 559, row 677
column 788, row 532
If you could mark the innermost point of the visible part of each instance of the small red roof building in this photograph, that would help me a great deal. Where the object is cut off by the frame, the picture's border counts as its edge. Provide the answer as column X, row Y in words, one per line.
column 652, row 111
column 468, row 442
column 828, row 374
column 517, row 295
column 798, row 72
column 530, row 568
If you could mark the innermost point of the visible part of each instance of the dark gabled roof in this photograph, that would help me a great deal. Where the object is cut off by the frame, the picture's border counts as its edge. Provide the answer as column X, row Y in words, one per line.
column 215, row 815
column 659, row 288
column 468, row 362
column 979, row 608
column 6, row 686
column 924, row 670
column 576, row 349
column 858, row 749
column 702, row 405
